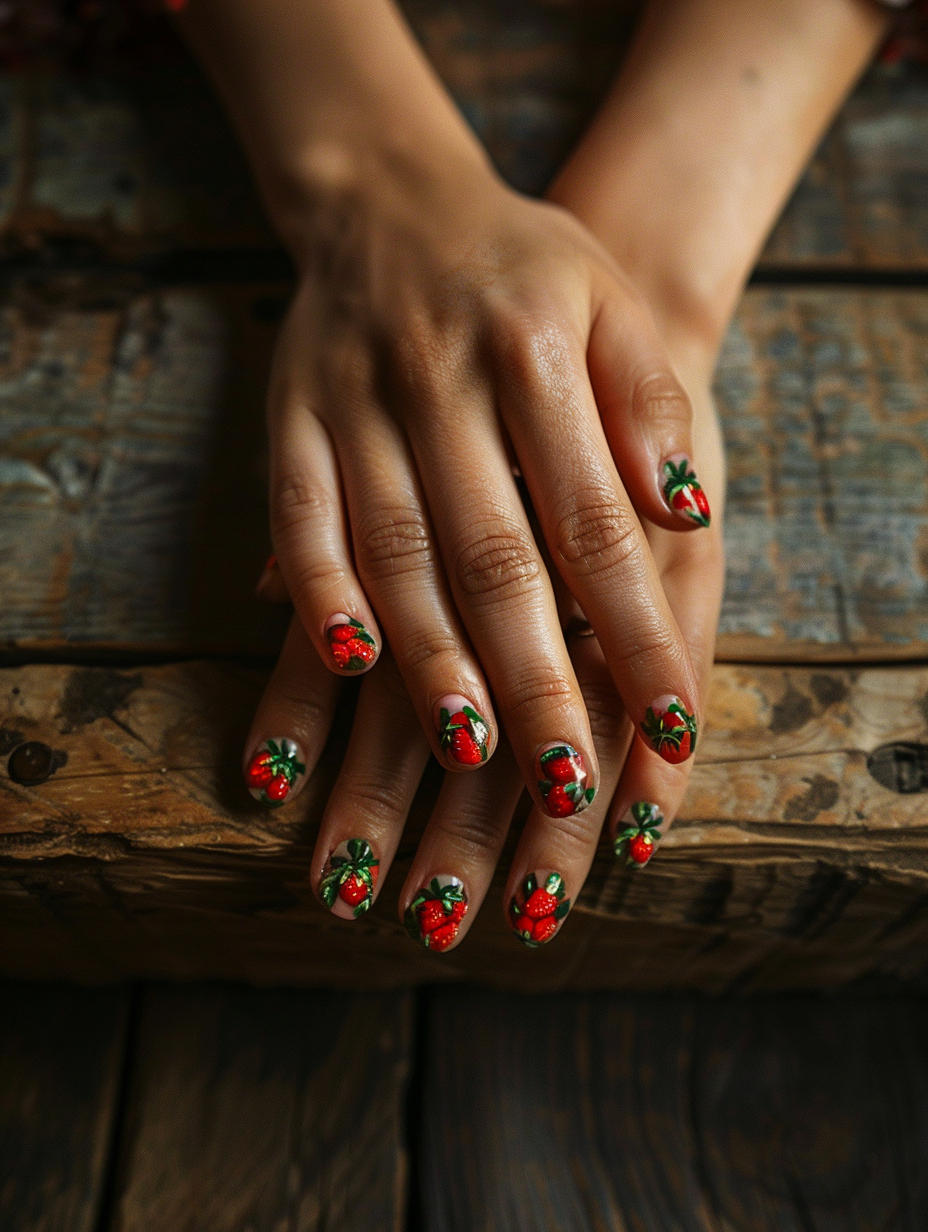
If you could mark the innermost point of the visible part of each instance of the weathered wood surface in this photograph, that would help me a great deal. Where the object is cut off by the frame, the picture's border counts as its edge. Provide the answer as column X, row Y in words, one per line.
column 133, row 471
column 137, row 164
column 792, row 865
column 265, row 1111
column 61, row 1055
column 666, row 1115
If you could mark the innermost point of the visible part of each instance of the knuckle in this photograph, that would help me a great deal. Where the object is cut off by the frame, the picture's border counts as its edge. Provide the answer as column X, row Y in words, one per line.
column 575, row 833
column 501, row 564
column 382, row 799
column 392, row 541
column 296, row 502
column 532, row 352
column 441, row 651
column 594, row 534
column 605, row 711
column 660, row 399
column 429, row 358
column 475, row 829
column 532, row 687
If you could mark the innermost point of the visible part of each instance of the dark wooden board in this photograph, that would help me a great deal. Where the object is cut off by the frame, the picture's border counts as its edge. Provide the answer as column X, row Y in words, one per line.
column 136, row 163
column 673, row 1115
column 792, row 865
column 266, row 1111
column 61, row 1054
column 133, row 471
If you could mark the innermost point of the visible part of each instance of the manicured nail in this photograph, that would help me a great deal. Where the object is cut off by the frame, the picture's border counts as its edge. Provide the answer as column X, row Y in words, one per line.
column 537, row 909
column 435, row 914
column 683, row 491
column 639, row 831
column 275, row 770
column 350, row 644
column 266, row 574
column 464, row 733
column 350, row 878
column 562, row 780
column 670, row 729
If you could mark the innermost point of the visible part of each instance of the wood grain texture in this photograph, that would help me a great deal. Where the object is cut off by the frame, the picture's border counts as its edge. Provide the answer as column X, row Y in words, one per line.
column 133, row 471
column 790, row 866
column 266, row 1111
column 61, row 1053
column 673, row 1115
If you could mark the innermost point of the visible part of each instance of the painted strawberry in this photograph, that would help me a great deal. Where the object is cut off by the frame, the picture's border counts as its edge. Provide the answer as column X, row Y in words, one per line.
column 536, row 920
column 274, row 770
column 351, row 646
column 351, row 876
column 683, row 492
column 671, row 731
column 434, row 916
column 563, row 782
column 636, row 841
column 464, row 735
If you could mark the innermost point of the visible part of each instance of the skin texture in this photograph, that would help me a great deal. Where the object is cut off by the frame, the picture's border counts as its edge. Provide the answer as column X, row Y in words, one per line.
column 710, row 122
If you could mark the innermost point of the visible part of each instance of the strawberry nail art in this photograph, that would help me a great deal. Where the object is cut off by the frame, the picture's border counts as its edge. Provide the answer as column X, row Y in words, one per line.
column 351, row 646
column 642, row 829
column 683, row 492
column 670, row 729
column 464, row 733
column 275, row 770
column 536, row 911
column 435, row 914
column 350, row 878
column 562, row 780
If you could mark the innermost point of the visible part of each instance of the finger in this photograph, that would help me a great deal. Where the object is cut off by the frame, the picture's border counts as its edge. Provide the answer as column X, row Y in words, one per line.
column 271, row 586
column 554, row 856
column 311, row 541
column 596, row 540
column 292, row 722
column 647, row 417
column 367, row 809
column 404, row 577
column 502, row 590
column 651, row 791
column 454, row 864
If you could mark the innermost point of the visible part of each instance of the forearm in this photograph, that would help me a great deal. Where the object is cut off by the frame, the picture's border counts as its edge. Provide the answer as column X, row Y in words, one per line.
column 328, row 95
column 715, row 113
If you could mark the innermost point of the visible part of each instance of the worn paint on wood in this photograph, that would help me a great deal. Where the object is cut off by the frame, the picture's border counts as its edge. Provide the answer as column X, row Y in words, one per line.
column 266, row 1110
column 61, row 1056
column 666, row 1115
column 791, row 865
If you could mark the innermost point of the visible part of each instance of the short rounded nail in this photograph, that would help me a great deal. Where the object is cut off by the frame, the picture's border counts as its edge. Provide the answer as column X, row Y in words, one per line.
column 638, row 833
column 349, row 878
column 670, row 729
column 351, row 646
column 464, row 734
column 563, row 780
column 683, row 491
column 275, row 771
column 538, row 908
column 434, row 916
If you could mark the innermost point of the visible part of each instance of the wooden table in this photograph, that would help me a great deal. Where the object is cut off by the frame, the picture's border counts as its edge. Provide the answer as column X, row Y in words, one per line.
column 138, row 306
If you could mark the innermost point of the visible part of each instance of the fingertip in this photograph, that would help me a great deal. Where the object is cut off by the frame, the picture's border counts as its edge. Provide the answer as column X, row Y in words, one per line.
column 351, row 648
column 683, row 494
column 464, row 735
column 275, row 771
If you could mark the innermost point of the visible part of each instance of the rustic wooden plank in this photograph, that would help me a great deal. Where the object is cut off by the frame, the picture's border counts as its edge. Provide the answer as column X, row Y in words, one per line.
column 266, row 1110
column 138, row 163
column 792, row 865
column 61, row 1051
column 133, row 471
column 673, row 1115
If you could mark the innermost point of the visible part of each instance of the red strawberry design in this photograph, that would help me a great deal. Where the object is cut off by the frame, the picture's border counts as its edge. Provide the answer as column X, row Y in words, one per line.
column 434, row 916
column 539, row 903
column 261, row 771
column 640, row 848
column 542, row 909
column 341, row 633
column 351, row 645
column 278, row 788
column 563, row 783
column 458, row 911
column 464, row 735
column 353, row 891
column 544, row 930
column 558, row 803
column 562, row 769
column 431, row 915
column 671, row 732
column 683, row 493
column 442, row 937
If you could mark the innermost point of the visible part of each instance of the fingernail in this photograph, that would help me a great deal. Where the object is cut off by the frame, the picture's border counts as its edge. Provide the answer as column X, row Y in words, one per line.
column 670, row 729
column 435, row 914
column 266, row 574
column 638, row 832
column 349, row 878
column 351, row 646
column 275, row 771
column 562, row 780
column 464, row 733
column 683, row 491
column 538, row 908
